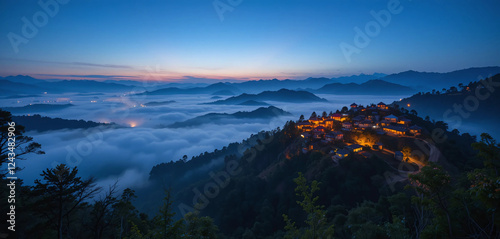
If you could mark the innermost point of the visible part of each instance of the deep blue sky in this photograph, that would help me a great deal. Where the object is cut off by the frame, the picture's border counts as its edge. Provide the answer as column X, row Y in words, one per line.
column 257, row 39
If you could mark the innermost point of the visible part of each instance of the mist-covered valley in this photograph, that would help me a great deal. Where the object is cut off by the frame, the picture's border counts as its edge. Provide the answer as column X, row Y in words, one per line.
column 127, row 151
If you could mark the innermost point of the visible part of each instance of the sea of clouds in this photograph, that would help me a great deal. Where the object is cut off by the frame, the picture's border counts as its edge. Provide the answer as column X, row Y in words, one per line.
column 126, row 154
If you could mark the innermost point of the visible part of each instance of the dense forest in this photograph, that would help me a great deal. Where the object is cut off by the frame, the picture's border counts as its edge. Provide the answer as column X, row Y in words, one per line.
column 354, row 198
column 266, row 187
column 471, row 103
column 42, row 123
column 28, row 109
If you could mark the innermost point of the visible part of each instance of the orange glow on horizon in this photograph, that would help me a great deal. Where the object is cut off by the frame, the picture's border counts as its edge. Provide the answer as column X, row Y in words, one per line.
column 232, row 76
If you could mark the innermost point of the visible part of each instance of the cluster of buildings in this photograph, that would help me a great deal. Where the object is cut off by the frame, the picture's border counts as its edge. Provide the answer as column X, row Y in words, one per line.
column 331, row 128
column 358, row 118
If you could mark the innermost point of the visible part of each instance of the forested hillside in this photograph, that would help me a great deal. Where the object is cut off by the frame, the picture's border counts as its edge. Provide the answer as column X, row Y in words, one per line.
column 249, row 195
column 42, row 123
column 471, row 104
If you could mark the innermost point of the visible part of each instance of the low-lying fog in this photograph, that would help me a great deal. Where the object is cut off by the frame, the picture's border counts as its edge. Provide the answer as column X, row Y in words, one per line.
column 128, row 153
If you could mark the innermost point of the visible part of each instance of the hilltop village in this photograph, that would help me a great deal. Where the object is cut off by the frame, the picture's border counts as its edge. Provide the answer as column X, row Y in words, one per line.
column 358, row 131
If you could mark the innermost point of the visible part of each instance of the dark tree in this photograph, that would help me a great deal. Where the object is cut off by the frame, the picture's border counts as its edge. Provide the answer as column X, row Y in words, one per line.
column 124, row 209
column 200, row 227
column 164, row 220
column 485, row 186
column 313, row 115
column 61, row 193
column 102, row 212
column 23, row 144
column 461, row 86
column 432, row 183
column 317, row 225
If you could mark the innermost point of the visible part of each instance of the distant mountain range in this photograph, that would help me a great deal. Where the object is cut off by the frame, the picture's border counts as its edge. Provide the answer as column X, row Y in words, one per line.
column 420, row 81
column 36, row 108
column 12, row 88
column 426, row 81
column 274, row 84
column 309, row 83
column 42, row 123
column 83, row 86
column 29, row 85
column 211, row 89
column 282, row 95
column 23, row 79
column 358, row 79
column 371, row 87
column 222, row 118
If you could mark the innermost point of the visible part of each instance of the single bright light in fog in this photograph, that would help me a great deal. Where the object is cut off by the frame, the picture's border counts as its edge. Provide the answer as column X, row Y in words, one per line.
column 133, row 124
column 408, row 105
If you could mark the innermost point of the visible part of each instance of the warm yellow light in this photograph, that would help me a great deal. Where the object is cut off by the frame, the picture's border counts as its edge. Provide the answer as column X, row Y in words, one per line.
column 133, row 124
column 408, row 105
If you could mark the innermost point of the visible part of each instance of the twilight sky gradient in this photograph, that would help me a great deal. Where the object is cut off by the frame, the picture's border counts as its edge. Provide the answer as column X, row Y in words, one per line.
column 257, row 39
